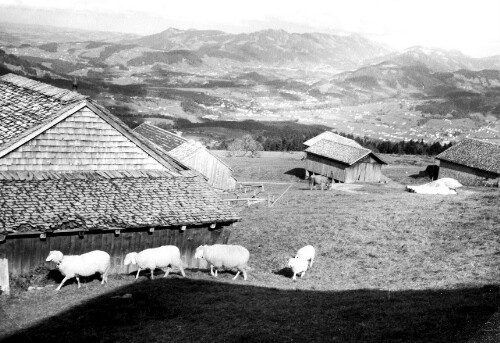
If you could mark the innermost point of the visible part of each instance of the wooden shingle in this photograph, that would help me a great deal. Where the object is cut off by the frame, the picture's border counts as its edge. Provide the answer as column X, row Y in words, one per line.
column 474, row 153
column 47, row 202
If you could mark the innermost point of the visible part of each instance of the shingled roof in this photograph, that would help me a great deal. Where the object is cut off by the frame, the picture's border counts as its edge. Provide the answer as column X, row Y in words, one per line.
column 165, row 139
column 343, row 153
column 474, row 153
column 178, row 147
column 333, row 137
column 25, row 104
column 47, row 202
column 28, row 108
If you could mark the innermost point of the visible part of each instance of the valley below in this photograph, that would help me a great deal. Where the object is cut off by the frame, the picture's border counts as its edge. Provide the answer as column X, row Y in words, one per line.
column 346, row 83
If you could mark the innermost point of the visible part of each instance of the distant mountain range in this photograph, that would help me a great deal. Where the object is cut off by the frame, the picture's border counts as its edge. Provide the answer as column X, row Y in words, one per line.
column 439, row 59
column 269, row 74
column 268, row 46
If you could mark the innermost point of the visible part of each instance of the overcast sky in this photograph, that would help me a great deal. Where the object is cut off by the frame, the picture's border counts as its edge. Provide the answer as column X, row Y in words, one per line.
column 472, row 27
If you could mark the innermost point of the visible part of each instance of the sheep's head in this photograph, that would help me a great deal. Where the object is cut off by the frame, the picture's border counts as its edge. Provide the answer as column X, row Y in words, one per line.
column 55, row 256
column 199, row 252
column 291, row 262
column 130, row 258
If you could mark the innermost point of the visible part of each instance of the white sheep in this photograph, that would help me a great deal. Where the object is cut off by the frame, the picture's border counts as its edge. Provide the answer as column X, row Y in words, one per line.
column 298, row 265
column 308, row 253
column 162, row 257
column 227, row 256
column 74, row 266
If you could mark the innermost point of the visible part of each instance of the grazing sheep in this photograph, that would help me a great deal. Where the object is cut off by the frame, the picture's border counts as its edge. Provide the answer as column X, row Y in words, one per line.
column 227, row 256
column 74, row 266
column 162, row 257
column 298, row 265
column 307, row 253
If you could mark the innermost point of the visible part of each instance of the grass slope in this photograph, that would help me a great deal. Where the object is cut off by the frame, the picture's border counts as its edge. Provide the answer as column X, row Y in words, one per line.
column 391, row 266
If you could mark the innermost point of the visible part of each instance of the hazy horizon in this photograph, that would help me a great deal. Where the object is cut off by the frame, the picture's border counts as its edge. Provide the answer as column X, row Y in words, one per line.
column 450, row 25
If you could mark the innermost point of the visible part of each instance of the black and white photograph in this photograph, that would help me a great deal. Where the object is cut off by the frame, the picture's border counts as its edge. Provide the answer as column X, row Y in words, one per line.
column 250, row 171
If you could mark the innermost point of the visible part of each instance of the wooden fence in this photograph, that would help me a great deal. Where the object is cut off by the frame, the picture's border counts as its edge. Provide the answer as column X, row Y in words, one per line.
column 25, row 252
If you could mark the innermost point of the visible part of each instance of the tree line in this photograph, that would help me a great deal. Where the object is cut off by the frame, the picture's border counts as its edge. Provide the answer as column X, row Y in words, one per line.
column 295, row 142
column 290, row 136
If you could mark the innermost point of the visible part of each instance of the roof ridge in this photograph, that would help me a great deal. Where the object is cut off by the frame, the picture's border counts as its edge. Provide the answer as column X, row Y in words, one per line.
column 64, row 95
column 351, row 146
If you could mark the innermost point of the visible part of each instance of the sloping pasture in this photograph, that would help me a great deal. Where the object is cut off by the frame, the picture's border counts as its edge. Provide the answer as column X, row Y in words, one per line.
column 391, row 266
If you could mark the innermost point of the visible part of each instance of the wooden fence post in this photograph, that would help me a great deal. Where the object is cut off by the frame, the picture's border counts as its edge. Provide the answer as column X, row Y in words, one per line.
column 4, row 276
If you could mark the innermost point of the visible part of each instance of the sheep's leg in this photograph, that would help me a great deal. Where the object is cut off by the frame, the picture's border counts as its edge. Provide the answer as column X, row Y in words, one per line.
column 182, row 271
column 63, row 281
column 105, row 276
column 137, row 275
column 78, row 280
column 238, row 273
column 302, row 274
column 312, row 260
column 216, row 272
column 212, row 270
column 244, row 274
column 152, row 274
column 167, row 271
column 294, row 276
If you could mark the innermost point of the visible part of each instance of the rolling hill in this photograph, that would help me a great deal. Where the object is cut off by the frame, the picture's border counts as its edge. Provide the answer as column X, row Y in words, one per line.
column 268, row 46
column 439, row 60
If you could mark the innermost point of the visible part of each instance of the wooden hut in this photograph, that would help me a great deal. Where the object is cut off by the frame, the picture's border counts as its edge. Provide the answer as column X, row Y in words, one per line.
column 74, row 178
column 192, row 154
column 471, row 162
column 341, row 159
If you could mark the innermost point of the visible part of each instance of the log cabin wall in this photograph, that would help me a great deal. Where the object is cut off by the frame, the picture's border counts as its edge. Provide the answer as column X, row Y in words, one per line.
column 83, row 141
column 27, row 251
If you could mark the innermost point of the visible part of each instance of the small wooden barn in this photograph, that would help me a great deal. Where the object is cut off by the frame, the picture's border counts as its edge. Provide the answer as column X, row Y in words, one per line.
column 74, row 178
column 342, row 159
column 471, row 162
column 192, row 154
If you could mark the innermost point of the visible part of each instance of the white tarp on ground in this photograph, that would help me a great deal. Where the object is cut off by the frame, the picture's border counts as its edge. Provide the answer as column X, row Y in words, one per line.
column 442, row 186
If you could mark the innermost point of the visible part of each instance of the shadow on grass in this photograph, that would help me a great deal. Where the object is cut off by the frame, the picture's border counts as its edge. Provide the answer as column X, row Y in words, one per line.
column 188, row 310
column 297, row 172
column 431, row 172
column 286, row 272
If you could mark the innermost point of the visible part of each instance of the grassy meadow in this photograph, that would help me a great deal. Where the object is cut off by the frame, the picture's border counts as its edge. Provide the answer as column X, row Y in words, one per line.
column 391, row 266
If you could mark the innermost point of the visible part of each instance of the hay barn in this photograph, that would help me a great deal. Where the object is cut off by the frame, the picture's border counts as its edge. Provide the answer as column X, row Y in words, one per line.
column 192, row 154
column 341, row 159
column 471, row 161
column 74, row 178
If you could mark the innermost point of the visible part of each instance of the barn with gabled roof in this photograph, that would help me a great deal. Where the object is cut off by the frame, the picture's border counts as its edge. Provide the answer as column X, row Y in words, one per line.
column 192, row 154
column 342, row 159
column 74, row 178
column 471, row 161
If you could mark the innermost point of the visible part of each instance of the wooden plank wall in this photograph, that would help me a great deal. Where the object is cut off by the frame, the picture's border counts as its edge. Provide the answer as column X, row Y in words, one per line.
column 4, row 276
column 218, row 174
column 26, row 252
column 82, row 141
column 465, row 175
column 366, row 171
column 326, row 167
